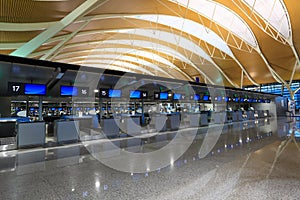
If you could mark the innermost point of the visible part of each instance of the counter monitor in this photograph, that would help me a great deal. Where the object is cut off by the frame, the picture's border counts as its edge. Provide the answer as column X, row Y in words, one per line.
column 176, row 96
column 35, row 89
column 68, row 90
column 163, row 96
column 114, row 93
column 196, row 97
column 135, row 94
column 205, row 98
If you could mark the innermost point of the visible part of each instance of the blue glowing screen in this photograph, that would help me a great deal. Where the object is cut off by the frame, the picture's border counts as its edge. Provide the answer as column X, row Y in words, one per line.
column 177, row 96
column 135, row 94
column 35, row 89
column 163, row 96
column 205, row 98
column 114, row 93
column 68, row 90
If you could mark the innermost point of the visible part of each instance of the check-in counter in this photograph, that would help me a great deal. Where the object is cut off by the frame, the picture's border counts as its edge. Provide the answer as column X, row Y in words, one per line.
column 110, row 127
column 237, row 116
column 240, row 115
column 131, row 124
column 260, row 113
column 66, row 131
column 194, row 119
column 173, row 122
column 159, row 121
column 84, row 121
column 250, row 115
column 228, row 117
column 31, row 134
column 203, row 119
column 219, row 117
column 234, row 117
column 8, row 132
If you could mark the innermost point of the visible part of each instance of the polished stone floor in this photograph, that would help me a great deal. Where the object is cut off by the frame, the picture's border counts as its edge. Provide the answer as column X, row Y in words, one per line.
column 245, row 160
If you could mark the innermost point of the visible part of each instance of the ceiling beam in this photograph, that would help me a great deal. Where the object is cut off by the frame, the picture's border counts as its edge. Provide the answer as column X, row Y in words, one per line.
column 57, row 48
column 37, row 41
column 21, row 27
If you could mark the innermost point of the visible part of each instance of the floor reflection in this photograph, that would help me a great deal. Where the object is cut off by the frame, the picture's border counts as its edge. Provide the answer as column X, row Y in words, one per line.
column 233, row 135
column 71, row 172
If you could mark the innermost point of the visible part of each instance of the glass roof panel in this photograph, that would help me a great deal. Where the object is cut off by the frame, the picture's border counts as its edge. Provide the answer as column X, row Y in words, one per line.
column 157, row 47
column 193, row 28
column 221, row 15
column 274, row 12
column 119, row 51
column 172, row 38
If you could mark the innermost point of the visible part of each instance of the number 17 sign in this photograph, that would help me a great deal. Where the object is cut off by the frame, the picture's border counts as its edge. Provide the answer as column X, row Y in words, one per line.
column 15, row 88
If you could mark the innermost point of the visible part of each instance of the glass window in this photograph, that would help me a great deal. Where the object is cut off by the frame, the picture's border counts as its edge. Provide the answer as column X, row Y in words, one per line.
column 274, row 12
column 221, row 15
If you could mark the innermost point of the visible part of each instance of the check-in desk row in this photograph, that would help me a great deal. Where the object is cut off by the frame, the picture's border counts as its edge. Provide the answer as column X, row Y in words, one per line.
column 23, row 133
column 69, row 128
column 222, row 117
column 236, row 116
column 8, row 132
column 129, row 124
column 174, row 121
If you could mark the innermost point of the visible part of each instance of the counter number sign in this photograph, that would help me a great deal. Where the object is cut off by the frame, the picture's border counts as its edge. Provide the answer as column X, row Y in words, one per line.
column 83, row 91
column 15, row 88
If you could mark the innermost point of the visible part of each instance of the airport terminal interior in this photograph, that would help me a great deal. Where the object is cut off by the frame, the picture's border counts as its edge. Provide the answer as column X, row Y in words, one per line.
column 149, row 99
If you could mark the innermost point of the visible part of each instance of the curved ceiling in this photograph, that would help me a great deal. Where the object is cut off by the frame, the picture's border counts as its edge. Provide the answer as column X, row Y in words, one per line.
column 235, row 43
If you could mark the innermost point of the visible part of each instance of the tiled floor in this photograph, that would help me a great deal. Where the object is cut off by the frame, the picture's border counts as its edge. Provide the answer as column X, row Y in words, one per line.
column 244, row 161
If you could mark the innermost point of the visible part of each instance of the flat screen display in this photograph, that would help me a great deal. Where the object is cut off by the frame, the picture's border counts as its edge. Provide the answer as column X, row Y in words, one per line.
column 114, row 93
column 219, row 99
column 68, row 90
column 226, row 99
column 205, row 98
column 163, row 96
column 176, row 96
column 196, row 97
column 242, row 100
column 135, row 94
column 34, row 89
